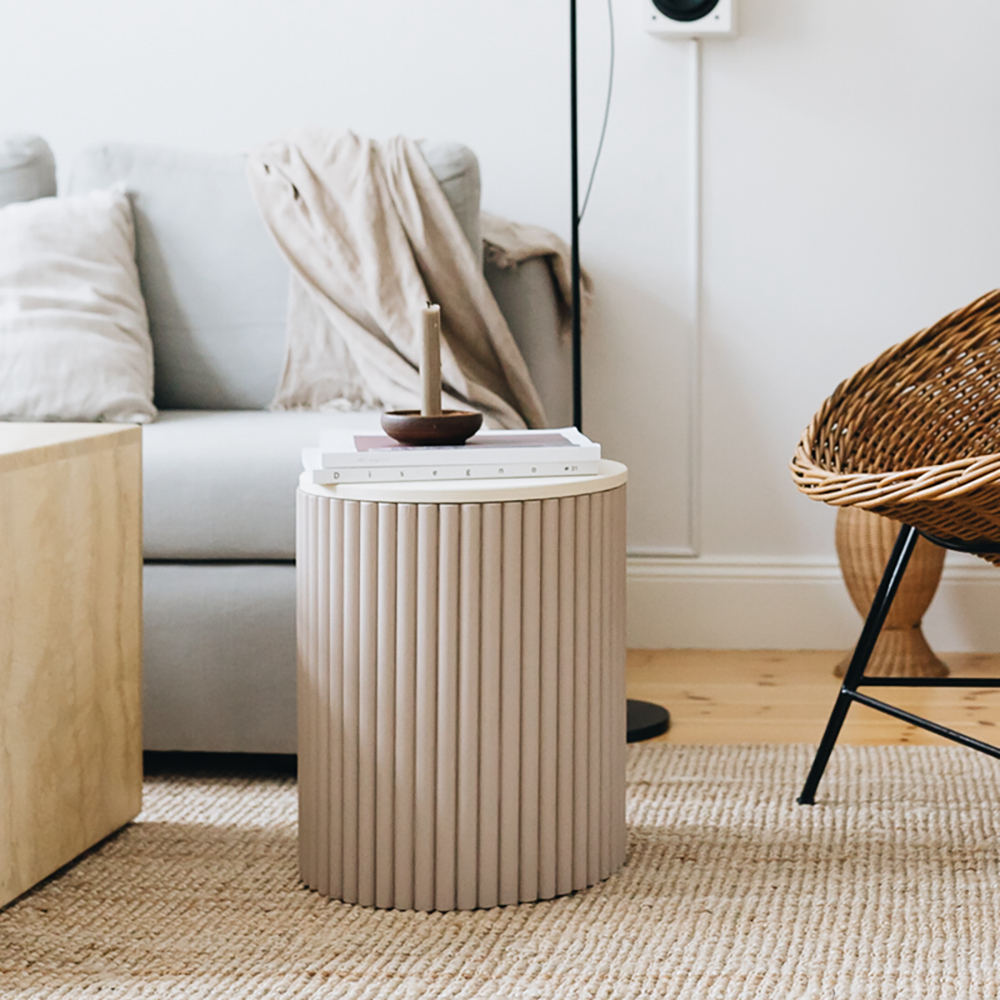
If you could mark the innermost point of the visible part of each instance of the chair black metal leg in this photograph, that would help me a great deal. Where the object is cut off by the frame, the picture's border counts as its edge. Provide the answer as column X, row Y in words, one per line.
column 901, row 552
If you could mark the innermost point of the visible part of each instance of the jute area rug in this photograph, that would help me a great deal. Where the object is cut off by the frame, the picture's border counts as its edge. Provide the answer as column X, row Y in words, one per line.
column 890, row 887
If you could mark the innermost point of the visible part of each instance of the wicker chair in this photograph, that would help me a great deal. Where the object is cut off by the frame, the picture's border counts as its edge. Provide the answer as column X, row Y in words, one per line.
column 914, row 436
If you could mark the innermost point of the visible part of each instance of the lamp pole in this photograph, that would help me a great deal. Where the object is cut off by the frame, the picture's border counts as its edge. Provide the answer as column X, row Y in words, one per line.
column 644, row 719
column 575, row 242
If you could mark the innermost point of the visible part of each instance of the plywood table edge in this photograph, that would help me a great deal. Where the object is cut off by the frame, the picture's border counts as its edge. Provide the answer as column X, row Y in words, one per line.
column 72, row 442
column 100, row 437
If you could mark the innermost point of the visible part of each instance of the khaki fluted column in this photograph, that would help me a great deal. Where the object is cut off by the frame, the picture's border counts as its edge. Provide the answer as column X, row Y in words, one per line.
column 461, row 690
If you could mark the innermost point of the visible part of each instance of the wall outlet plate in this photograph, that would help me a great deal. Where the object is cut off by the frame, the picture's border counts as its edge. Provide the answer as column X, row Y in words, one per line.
column 689, row 18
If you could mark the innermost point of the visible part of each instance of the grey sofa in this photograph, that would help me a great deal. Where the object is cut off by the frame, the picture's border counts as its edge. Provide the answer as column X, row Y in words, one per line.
column 220, row 470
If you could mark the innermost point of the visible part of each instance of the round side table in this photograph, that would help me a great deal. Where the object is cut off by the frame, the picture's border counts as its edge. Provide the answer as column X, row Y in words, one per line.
column 461, row 689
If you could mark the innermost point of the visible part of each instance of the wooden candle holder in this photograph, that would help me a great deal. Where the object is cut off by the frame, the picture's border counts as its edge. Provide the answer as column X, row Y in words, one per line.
column 448, row 427
column 430, row 425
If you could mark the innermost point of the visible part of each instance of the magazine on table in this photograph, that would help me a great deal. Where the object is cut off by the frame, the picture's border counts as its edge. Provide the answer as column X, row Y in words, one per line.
column 353, row 457
column 343, row 449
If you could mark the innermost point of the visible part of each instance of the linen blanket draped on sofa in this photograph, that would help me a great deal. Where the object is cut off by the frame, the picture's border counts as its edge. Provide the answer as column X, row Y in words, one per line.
column 371, row 238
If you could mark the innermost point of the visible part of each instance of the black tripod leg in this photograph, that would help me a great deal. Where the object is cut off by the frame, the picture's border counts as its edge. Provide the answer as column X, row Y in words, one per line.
column 891, row 578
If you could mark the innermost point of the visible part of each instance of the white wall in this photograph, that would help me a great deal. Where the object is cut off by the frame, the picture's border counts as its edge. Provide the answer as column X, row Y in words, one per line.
column 850, row 166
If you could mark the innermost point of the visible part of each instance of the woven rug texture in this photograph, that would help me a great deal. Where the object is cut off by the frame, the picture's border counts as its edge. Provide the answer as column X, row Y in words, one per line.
column 888, row 888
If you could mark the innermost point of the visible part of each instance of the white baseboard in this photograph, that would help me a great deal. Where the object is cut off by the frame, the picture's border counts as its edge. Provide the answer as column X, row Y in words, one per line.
column 714, row 603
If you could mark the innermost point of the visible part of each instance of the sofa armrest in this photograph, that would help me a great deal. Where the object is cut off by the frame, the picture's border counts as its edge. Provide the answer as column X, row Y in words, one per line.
column 527, row 298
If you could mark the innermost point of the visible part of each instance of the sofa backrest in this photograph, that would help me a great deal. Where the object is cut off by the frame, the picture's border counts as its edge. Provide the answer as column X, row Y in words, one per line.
column 27, row 169
column 215, row 285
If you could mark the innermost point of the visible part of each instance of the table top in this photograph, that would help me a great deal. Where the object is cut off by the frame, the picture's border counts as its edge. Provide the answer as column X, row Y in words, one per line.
column 29, row 443
column 610, row 476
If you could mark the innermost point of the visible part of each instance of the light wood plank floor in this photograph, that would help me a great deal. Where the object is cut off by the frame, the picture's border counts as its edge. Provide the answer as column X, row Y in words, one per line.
column 767, row 696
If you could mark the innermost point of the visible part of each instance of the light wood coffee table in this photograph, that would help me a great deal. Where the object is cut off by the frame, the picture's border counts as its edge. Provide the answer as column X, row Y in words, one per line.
column 461, row 689
column 70, row 642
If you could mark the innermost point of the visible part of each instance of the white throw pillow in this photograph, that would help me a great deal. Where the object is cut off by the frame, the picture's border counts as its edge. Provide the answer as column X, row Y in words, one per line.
column 74, row 338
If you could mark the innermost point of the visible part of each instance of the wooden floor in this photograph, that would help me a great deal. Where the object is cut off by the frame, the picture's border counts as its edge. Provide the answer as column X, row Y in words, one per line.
column 767, row 696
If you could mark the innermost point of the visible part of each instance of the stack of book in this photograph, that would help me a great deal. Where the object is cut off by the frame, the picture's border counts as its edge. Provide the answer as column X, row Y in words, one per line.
column 360, row 457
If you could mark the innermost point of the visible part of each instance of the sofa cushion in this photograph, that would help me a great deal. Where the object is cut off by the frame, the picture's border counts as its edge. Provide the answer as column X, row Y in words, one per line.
column 216, row 286
column 74, row 343
column 220, row 485
column 27, row 169
column 218, row 665
column 214, row 283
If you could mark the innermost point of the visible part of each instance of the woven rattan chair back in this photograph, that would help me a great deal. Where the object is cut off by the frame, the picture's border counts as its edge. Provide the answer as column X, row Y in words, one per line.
column 915, row 435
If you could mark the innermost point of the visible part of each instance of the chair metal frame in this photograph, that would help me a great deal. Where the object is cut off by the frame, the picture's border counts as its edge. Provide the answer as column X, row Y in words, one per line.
column 855, row 675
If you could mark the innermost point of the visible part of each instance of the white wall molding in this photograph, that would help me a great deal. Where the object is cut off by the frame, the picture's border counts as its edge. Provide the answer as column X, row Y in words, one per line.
column 793, row 603
column 695, row 387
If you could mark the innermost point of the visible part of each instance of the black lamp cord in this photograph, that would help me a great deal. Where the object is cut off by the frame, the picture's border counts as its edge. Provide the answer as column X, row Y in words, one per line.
column 607, row 107
column 577, row 214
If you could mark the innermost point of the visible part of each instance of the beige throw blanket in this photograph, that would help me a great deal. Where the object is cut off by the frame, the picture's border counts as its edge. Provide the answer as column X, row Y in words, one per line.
column 371, row 239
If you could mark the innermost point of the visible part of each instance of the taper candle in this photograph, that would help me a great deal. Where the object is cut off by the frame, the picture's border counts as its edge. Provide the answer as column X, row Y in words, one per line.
column 430, row 364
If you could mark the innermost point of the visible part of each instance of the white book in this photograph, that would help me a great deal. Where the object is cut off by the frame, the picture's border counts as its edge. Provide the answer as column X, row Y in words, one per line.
column 320, row 475
column 344, row 450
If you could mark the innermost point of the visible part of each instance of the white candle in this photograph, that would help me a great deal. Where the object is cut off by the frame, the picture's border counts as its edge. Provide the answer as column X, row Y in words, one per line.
column 430, row 363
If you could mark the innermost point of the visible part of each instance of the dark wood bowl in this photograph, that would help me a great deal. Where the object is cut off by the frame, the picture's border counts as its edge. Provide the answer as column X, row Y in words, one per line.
column 450, row 427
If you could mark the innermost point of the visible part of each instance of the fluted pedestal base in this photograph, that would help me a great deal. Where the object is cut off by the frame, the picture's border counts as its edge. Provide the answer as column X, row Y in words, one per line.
column 864, row 544
column 461, row 699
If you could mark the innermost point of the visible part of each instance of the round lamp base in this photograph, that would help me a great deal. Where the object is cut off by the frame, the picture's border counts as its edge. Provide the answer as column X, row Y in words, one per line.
column 645, row 721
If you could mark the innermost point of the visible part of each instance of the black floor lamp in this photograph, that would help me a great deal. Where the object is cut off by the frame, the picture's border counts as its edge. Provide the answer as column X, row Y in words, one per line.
column 645, row 719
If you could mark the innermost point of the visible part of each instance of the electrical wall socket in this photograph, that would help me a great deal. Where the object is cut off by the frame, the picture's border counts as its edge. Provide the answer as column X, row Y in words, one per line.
column 689, row 18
